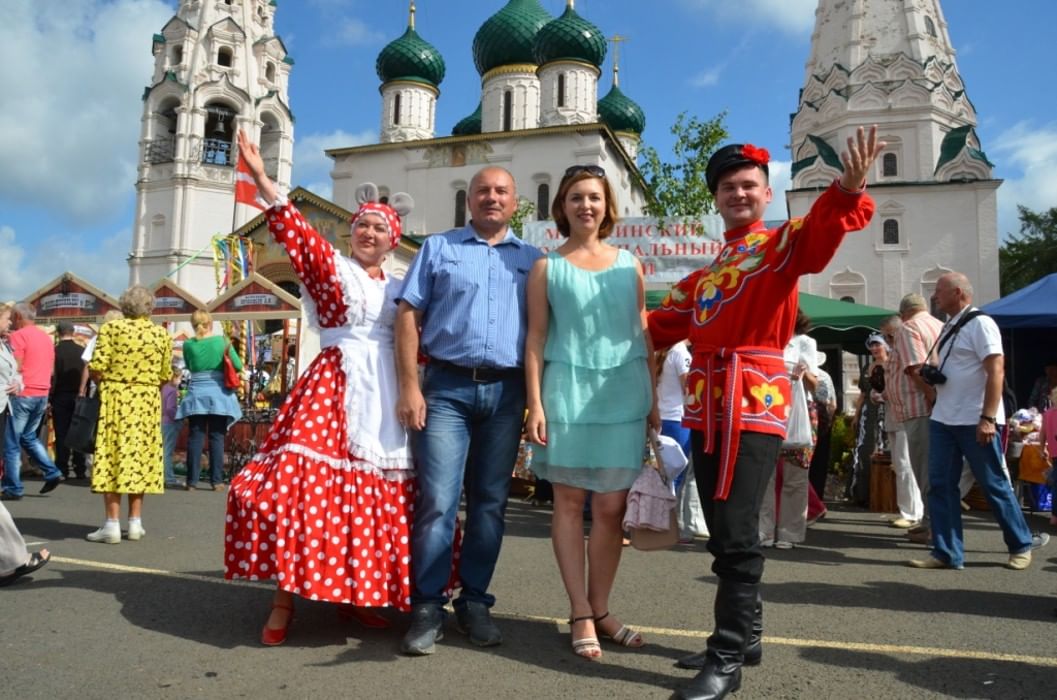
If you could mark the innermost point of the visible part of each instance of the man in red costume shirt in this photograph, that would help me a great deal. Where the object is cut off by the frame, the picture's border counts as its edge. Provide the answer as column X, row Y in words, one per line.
column 738, row 314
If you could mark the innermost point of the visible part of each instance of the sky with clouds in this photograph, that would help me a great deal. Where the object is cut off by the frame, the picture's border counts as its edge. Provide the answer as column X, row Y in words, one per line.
column 72, row 108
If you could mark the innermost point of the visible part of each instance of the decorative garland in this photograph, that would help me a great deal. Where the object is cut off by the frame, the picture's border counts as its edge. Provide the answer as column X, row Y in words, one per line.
column 233, row 261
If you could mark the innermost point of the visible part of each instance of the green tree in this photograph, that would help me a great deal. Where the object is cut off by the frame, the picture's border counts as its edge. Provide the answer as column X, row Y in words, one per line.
column 1031, row 254
column 679, row 188
column 525, row 211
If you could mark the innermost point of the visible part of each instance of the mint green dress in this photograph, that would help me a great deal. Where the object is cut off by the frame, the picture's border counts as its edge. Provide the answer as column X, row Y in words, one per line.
column 596, row 386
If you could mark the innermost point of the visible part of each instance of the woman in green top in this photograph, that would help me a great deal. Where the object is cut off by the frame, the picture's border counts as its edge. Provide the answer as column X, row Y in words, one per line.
column 209, row 405
column 588, row 369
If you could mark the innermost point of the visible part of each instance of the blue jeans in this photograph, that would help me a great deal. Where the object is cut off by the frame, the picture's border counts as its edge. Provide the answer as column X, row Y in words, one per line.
column 217, row 427
column 948, row 444
column 169, row 433
column 470, row 441
column 25, row 416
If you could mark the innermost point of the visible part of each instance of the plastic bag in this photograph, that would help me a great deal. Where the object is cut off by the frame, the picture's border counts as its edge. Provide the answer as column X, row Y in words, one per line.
column 798, row 425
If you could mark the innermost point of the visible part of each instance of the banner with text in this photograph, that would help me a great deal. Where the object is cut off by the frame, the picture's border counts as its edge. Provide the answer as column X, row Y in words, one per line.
column 667, row 253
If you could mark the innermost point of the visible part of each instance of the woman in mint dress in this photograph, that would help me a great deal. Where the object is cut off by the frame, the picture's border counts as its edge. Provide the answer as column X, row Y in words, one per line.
column 588, row 368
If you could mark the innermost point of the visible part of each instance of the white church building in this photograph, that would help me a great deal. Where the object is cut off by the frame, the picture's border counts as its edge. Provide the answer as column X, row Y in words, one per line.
column 890, row 63
column 218, row 67
column 539, row 114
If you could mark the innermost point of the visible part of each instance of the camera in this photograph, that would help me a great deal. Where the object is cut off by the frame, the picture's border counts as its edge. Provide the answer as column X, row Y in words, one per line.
column 932, row 375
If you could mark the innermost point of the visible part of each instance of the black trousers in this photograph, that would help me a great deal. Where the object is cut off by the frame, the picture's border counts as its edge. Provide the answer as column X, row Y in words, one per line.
column 61, row 416
column 733, row 524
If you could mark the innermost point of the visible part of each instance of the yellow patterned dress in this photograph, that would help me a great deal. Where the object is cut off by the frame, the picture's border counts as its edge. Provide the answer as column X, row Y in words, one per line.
column 134, row 357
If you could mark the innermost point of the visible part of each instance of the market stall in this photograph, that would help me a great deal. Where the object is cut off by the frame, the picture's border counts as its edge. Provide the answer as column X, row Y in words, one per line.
column 248, row 302
column 70, row 298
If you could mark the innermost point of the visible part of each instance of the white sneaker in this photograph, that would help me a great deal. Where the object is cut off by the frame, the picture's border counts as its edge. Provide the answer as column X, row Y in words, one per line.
column 107, row 535
column 135, row 532
column 782, row 544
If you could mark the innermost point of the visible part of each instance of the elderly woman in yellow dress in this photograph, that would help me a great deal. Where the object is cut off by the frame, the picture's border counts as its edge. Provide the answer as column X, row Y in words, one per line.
column 133, row 359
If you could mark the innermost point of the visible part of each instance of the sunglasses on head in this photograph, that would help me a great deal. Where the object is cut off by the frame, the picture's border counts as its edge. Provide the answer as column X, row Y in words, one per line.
column 593, row 170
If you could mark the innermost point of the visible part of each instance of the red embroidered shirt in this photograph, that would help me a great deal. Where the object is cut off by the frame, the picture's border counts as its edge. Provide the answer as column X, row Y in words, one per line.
column 738, row 314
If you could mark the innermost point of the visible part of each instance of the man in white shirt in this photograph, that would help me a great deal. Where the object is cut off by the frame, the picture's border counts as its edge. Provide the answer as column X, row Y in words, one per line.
column 964, row 423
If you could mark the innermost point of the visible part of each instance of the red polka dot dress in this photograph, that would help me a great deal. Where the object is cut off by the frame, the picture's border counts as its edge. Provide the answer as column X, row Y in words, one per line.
column 325, row 506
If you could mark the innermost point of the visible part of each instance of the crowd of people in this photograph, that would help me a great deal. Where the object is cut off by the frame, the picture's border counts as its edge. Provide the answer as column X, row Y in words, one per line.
column 425, row 386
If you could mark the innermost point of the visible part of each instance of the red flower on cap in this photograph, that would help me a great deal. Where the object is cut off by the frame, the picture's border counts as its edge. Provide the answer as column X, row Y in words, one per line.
column 760, row 156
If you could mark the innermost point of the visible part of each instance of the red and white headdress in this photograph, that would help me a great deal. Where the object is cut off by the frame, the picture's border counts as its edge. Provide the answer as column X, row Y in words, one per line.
column 400, row 204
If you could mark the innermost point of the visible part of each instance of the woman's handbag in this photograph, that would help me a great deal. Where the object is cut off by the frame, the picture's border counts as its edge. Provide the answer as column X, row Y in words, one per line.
column 81, row 435
column 645, row 538
column 798, row 426
column 232, row 380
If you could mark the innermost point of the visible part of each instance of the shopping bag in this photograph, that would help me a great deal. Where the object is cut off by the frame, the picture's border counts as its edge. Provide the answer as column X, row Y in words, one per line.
column 232, row 380
column 798, row 425
column 81, row 435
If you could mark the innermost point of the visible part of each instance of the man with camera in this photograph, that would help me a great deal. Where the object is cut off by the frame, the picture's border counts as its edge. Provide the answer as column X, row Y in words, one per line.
column 967, row 373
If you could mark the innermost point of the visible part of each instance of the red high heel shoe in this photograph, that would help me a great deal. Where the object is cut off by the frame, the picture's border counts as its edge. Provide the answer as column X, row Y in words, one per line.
column 274, row 637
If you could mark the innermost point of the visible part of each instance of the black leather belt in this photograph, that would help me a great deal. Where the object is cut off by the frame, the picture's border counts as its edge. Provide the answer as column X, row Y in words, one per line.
column 478, row 374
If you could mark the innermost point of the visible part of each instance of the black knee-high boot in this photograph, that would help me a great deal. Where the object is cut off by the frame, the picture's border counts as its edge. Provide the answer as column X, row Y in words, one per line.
column 735, row 614
column 753, row 650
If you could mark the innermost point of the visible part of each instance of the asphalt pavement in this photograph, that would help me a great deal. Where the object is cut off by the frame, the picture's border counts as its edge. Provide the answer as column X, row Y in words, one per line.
column 844, row 618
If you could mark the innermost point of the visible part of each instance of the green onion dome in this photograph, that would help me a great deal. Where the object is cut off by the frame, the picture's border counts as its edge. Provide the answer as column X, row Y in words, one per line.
column 410, row 58
column 508, row 36
column 620, row 113
column 572, row 38
column 469, row 125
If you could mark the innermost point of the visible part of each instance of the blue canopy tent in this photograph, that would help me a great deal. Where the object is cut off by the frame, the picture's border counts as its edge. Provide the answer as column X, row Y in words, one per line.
column 1028, row 320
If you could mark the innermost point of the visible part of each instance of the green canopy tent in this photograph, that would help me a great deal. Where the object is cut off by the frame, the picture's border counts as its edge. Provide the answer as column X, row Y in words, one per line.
column 843, row 323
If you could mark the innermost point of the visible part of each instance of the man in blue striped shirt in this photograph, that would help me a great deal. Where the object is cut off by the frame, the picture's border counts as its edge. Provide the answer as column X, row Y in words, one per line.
column 463, row 304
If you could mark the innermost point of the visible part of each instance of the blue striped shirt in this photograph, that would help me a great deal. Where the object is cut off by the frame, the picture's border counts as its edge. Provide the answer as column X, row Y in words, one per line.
column 472, row 297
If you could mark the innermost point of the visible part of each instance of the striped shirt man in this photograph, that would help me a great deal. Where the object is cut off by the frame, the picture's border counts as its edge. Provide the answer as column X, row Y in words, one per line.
column 913, row 340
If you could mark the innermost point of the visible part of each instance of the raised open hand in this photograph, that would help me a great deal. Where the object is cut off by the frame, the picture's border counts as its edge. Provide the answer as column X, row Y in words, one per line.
column 862, row 151
column 252, row 155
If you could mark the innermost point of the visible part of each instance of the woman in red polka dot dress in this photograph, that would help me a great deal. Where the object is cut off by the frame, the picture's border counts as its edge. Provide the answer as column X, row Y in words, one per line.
column 324, row 508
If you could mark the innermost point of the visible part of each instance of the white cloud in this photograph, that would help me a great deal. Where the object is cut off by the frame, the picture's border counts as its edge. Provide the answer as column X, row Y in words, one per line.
column 30, row 264
column 790, row 16
column 311, row 164
column 71, row 111
column 1032, row 153
column 707, row 77
column 780, row 177
column 353, row 32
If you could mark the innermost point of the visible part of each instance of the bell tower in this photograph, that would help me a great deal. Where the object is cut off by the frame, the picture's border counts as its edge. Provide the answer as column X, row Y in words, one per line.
column 218, row 67
column 891, row 63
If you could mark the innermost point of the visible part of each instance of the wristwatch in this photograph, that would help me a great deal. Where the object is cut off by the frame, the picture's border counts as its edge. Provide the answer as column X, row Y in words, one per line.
column 990, row 419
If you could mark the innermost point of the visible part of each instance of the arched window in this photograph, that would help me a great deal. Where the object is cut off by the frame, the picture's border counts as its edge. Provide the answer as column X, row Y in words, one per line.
column 508, row 110
column 460, row 208
column 890, row 235
column 177, row 55
column 224, row 57
column 269, row 72
column 271, row 143
column 219, row 134
column 543, row 201
column 850, row 300
column 396, row 109
column 930, row 26
column 561, row 89
column 890, row 165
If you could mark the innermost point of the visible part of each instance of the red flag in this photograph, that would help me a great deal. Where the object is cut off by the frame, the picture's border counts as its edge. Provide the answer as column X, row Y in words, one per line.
column 245, row 187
